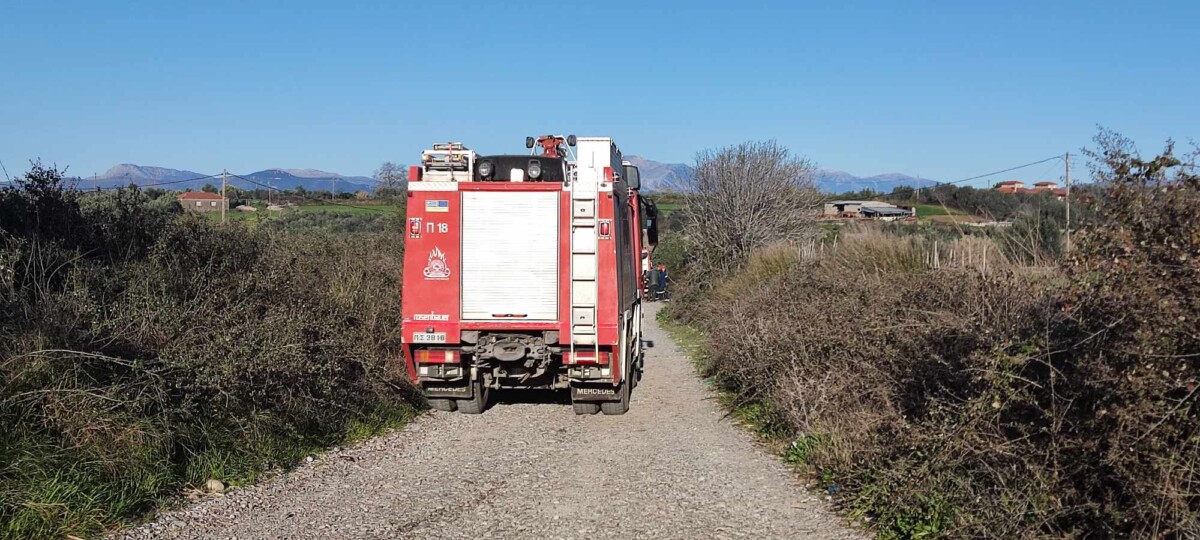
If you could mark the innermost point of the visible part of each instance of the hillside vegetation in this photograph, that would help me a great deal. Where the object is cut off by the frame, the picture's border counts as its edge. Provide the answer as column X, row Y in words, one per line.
column 144, row 352
column 978, row 399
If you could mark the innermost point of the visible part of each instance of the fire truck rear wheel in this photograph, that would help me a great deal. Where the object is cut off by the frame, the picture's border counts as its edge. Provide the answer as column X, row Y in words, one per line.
column 477, row 404
column 621, row 406
column 584, row 407
column 442, row 404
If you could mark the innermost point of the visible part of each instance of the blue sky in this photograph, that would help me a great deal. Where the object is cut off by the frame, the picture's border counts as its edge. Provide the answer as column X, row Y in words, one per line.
column 944, row 90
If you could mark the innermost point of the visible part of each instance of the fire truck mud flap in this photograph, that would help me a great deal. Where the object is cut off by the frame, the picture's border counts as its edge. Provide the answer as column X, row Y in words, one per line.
column 442, row 390
column 594, row 392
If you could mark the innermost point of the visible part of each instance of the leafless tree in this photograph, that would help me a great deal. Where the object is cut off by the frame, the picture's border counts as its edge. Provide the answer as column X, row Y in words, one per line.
column 391, row 176
column 744, row 197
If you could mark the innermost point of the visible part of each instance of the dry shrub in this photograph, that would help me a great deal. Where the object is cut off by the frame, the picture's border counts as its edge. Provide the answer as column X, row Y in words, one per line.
column 1002, row 404
column 874, row 367
column 743, row 198
column 1135, row 318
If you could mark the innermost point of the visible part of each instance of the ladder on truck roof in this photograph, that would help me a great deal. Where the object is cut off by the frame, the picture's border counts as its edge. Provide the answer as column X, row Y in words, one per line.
column 585, row 181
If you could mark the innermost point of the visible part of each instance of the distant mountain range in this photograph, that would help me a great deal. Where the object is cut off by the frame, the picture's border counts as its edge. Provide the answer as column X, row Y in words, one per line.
column 175, row 179
column 311, row 179
column 831, row 181
column 656, row 176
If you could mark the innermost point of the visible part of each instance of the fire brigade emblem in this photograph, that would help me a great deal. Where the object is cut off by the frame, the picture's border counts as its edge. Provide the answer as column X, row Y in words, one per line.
column 437, row 268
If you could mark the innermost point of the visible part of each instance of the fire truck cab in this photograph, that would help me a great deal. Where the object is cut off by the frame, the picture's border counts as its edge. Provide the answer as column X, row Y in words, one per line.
column 524, row 271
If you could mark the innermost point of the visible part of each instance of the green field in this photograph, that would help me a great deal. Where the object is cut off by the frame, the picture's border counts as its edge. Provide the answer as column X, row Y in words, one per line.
column 353, row 208
column 667, row 208
column 926, row 211
column 356, row 208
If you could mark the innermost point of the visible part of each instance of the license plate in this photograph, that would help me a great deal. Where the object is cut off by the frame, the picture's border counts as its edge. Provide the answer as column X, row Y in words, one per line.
column 435, row 337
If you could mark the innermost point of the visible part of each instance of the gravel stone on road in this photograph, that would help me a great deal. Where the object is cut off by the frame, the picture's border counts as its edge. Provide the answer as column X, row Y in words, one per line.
column 673, row 467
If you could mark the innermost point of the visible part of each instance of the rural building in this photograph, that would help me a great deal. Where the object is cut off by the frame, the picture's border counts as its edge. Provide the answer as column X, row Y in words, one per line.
column 867, row 210
column 202, row 201
column 1011, row 186
column 885, row 213
column 1017, row 186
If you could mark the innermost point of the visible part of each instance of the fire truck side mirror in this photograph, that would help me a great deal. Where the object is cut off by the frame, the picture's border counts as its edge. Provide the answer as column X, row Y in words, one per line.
column 633, row 178
column 650, row 211
column 570, row 140
column 529, row 141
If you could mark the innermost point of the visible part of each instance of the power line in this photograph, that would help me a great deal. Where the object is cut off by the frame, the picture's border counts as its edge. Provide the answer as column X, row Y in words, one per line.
column 1044, row 174
column 1001, row 172
column 173, row 182
column 316, row 199
column 942, row 202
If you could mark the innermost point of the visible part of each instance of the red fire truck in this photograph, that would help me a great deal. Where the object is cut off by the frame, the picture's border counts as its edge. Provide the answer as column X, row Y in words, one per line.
column 525, row 271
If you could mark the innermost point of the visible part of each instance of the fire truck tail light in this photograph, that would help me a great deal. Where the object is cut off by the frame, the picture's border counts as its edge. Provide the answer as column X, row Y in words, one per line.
column 585, row 357
column 605, row 228
column 608, row 174
column 414, row 227
column 429, row 356
column 414, row 173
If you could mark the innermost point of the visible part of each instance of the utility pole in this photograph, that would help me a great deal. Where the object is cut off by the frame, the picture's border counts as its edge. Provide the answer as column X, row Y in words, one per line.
column 333, row 191
column 1068, row 179
column 95, row 185
column 224, row 179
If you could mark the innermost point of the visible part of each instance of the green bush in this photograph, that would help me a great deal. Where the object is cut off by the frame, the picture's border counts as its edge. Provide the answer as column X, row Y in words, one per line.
column 672, row 252
column 143, row 352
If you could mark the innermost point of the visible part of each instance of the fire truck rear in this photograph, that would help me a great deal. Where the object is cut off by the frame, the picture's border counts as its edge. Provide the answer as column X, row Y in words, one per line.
column 524, row 271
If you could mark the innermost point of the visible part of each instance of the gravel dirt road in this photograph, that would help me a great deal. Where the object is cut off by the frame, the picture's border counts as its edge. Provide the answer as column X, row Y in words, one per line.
column 672, row 467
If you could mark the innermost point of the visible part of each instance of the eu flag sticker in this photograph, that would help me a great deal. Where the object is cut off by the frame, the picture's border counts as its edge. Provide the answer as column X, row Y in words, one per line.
column 437, row 206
